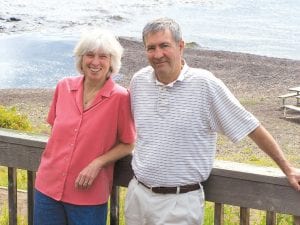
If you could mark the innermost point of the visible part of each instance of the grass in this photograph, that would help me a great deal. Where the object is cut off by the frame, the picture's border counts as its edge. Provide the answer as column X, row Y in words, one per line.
column 4, row 217
column 250, row 154
column 258, row 160
column 250, row 101
column 21, row 178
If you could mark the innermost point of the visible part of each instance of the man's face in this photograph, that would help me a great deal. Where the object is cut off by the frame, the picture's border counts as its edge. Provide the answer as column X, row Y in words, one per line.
column 164, row 55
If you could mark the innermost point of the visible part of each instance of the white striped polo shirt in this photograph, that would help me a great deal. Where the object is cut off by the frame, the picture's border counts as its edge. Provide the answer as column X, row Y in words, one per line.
column 177, row 125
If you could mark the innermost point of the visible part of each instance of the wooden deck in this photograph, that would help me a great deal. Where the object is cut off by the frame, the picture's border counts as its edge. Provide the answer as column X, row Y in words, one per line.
column 246, row 186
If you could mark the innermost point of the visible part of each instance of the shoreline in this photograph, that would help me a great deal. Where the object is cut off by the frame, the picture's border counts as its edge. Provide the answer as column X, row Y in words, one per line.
column 255, row 80
column 134, row 59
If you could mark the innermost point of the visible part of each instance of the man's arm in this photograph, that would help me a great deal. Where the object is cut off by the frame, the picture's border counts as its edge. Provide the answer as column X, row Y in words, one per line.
column 267, row 143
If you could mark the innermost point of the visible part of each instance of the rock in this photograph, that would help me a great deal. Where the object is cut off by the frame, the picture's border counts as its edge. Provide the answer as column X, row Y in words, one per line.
column 13, row 19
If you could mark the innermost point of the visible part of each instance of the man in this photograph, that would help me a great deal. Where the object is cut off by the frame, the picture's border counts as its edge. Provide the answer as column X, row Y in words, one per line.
column 178, row 111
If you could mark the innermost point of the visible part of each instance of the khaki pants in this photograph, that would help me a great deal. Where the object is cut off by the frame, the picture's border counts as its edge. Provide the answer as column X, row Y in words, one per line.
column 143, row 207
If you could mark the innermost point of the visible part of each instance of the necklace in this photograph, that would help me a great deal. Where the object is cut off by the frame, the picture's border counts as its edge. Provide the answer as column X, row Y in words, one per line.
column 90, row 90
column 89, row 96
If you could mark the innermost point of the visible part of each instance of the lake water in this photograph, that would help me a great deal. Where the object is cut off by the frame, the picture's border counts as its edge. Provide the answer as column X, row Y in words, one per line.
column 37, row 36
column 28, row 61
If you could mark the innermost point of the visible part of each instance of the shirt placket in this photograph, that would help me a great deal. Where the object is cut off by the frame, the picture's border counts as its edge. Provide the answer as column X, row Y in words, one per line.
column 68, row 158
column 163, row 100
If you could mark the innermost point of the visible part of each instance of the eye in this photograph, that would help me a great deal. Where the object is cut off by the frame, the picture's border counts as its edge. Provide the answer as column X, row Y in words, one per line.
column 104, row 56
column 90, row 54
column 164, row 45
column 150, row 48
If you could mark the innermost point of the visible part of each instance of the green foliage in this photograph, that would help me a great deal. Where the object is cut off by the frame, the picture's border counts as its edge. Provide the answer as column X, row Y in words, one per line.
column 191, row 45
column 4, row 217
column 208, row 213
column 3, row 176
column 21, row 178
column 250, row 101
column 11, row 119
column 283, row 219
column 232, row 216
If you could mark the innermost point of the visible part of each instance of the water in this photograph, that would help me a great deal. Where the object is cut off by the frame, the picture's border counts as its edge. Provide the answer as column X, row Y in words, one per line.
column 28, row 61
column 49, row 30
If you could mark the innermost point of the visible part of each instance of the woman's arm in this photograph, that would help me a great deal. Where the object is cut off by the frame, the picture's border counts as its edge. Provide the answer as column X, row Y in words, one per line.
column 87, row 176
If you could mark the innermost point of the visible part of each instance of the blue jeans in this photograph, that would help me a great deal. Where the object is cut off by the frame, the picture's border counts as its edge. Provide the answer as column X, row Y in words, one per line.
column 48, row 211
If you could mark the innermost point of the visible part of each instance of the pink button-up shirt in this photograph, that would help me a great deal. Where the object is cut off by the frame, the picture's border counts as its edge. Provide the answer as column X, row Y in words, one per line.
column 78, row 137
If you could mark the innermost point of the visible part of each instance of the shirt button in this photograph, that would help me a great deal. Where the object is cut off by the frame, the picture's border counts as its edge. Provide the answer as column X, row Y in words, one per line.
column 75, row 130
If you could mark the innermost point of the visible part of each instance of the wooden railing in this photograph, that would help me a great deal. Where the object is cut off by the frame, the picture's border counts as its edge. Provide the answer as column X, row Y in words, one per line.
column 246, row 186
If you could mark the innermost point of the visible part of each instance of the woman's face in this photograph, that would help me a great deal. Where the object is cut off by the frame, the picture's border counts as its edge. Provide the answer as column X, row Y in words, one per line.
column 96, row 65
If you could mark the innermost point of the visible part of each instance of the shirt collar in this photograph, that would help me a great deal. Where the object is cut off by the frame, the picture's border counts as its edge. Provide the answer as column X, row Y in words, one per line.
column 105, row 91
column 181, row 76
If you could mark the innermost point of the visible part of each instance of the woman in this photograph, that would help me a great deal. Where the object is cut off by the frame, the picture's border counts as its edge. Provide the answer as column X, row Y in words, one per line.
column 92, row 127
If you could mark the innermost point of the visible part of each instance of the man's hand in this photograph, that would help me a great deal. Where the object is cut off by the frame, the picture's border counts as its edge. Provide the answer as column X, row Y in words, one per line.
column 294, row 178
column 267, row 143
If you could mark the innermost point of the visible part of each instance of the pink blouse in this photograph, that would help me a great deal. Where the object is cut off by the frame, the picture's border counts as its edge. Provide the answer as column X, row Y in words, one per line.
column 78, row 137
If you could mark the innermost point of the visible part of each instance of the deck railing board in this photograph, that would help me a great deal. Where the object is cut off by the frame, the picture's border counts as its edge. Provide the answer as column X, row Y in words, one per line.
column 21, row 150
column 252, row 194
column 230, row 183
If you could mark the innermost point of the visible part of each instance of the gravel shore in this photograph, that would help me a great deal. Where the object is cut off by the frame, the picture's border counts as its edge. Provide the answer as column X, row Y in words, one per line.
column 255, row 80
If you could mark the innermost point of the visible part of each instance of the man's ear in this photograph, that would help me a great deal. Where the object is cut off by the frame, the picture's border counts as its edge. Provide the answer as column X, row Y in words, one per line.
column 181, row 46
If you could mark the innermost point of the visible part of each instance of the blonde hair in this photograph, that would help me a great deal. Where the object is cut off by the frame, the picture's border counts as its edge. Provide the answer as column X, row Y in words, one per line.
column 99, row 39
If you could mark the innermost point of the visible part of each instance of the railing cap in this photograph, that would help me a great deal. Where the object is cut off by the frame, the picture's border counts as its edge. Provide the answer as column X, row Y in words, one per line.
column 244, row 171
column 20, row 137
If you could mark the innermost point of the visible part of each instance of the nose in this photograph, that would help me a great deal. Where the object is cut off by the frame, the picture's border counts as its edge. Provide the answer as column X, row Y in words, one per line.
column 95, row 60
column 158, row 53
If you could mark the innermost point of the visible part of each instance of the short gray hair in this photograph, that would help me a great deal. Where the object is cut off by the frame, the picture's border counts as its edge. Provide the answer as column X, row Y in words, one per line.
column 162, row 24
column 99, row 39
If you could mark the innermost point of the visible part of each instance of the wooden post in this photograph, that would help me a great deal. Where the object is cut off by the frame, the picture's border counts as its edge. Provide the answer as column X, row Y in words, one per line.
column 219, row 214
column 244, row 216
column 114, row 206
column 296, row 220
column 12, row 195
column 30, row 196
column 270, row 218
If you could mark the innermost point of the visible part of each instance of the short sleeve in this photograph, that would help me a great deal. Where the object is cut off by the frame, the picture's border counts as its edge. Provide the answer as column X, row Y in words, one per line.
column 126, row 128
column 52, row 109
column 228, row 116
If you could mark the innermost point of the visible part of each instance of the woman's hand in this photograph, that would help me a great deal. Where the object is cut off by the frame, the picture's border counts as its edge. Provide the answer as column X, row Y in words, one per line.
column 87, row 176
